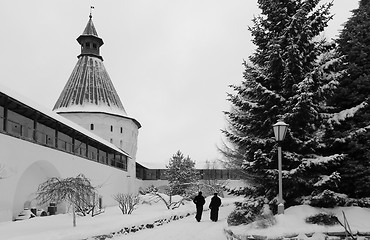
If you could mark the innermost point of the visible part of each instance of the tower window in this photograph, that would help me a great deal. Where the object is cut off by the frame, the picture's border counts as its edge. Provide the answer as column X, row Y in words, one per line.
column 121, row 129
column 111, row 128
column 94, row 46
column 87, row 45
column 100, row 202
column 91, row 126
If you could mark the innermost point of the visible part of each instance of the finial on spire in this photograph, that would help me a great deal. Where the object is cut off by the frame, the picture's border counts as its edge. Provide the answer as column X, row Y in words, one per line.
column 91, row 8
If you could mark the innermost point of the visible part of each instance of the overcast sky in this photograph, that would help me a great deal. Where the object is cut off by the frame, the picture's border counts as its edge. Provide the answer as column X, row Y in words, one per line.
column 171, row 61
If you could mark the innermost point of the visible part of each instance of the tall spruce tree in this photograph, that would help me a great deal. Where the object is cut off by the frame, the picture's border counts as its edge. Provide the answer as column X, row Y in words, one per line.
column 289, row 77
column 349, row 125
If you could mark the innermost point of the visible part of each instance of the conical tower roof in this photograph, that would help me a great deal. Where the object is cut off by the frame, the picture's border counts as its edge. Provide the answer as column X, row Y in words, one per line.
column 89, row 88
column 90, row 28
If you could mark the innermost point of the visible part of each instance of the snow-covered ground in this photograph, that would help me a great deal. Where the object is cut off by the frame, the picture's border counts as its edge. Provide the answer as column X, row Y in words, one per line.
column 292, row 222
column 59, row 227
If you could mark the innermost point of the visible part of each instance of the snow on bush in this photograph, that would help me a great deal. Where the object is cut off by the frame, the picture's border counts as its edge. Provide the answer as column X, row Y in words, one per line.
column 250, row 210
column 328, row 199
column 328, row 219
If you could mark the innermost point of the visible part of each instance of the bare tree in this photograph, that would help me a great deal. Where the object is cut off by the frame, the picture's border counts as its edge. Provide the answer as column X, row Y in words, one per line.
column 76, row 191
column 158, row 196
column 127, row 202
column 212, row 183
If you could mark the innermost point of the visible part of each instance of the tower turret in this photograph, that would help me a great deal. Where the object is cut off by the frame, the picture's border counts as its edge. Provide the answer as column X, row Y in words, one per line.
column 89, row 87
column 90, row 41
column 90, row 99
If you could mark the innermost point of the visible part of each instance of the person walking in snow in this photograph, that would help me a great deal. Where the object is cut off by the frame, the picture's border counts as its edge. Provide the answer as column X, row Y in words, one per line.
column 199, row 202
column 214, row 206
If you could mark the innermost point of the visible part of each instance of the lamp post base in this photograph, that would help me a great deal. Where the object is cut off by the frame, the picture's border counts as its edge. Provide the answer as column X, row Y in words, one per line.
column 281, row 208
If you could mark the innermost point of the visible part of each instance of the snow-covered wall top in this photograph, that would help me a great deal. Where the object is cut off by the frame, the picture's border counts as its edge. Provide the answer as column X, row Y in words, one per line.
column 30, row 103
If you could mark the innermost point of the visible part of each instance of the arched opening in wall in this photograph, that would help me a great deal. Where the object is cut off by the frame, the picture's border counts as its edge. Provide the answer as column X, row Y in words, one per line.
column 25, row 193
column 121, row 144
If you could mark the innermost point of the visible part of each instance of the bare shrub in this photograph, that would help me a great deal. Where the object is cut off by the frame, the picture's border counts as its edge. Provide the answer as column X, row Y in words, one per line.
column 127, row 202
column 167, row 197
column 76, row 191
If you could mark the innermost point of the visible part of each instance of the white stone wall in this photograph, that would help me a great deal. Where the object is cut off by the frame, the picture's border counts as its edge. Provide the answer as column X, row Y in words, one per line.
column 127, row 140
column 26, row 165
column 147, row 183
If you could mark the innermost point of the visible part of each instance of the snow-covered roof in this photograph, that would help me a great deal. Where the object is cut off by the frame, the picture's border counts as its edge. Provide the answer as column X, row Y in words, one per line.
column 90, row 28
column 198, row 165
column 89, row 88
column 30, row 103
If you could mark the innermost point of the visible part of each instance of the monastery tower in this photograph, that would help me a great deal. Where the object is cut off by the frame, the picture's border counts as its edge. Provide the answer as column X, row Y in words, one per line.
column 90, row 99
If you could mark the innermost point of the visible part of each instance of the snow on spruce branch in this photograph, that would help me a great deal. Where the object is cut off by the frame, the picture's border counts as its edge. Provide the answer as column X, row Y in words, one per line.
column 316, row 160
column 319, row 160
column 353, row 134
column 347, row 113
column 328, row 180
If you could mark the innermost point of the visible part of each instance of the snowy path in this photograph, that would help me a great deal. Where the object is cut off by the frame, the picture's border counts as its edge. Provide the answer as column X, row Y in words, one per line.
column 186, row 229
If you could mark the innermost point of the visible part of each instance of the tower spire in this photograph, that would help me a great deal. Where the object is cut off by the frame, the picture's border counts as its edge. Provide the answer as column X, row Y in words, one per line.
column 91, row 8
column 89, row 87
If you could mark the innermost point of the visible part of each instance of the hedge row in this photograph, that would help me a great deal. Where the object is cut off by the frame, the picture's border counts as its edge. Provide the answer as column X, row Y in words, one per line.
column 133, row 229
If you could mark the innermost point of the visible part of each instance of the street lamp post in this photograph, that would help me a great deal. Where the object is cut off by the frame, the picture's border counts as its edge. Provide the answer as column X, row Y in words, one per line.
column 280, row 129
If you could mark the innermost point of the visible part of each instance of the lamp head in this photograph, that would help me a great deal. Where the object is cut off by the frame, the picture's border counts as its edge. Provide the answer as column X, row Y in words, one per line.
column 280, row 128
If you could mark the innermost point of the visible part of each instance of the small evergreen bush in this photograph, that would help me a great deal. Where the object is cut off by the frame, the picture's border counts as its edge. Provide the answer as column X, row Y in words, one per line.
column 361, row 202
column 327, row 219
column 236, row 217
column 246, row 212
column 328, row 199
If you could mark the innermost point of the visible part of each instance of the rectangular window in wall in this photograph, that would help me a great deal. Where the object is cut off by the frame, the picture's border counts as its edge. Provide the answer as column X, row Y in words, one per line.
column 92, row 153
column 80, row 148
column 124, row 162
column 100, row 202
column 20, row 125
column 1, row 118
column 163, row 175
column 111, row 159
column 64, row 142
column 103, row 157
column 45, row 135
column 118, row 161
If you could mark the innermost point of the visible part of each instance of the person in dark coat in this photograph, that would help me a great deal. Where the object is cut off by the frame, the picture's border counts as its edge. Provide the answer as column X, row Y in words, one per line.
column 199, row 202
column 214, row 206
